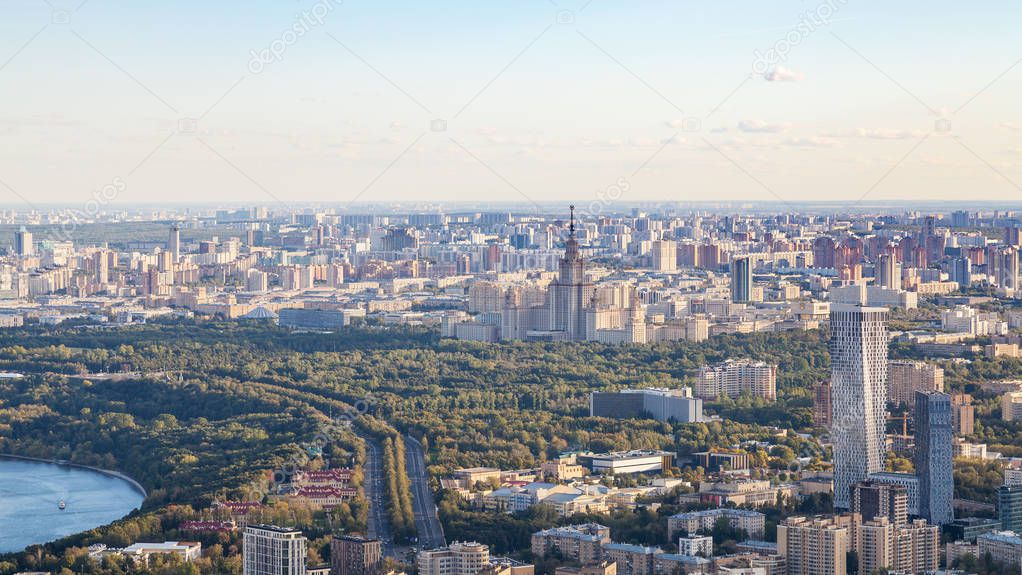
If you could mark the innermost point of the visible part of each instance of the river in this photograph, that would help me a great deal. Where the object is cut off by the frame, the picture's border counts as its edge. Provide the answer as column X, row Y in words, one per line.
column 30, row 493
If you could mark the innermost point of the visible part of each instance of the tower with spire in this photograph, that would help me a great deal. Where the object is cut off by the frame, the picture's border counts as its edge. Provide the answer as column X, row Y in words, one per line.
column 570, row 292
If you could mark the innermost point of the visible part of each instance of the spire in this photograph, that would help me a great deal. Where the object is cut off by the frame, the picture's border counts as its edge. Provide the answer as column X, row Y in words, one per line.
column 571, row 228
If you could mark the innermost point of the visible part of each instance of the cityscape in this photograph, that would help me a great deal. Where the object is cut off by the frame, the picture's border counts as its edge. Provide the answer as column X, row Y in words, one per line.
column 551, row 287
column 652, row 392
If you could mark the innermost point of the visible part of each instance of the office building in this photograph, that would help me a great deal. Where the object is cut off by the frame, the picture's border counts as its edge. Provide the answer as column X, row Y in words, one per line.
column 659, row 404
column 733, row 378
column 906, row 377
column 353, row 555
column 969, row 528
column 741, row 280
column 23, row 243
column 459, row 558
column 816, row 546
column 1009, row 507
column 933, row 456
column 318, row 318
column 624, row 462
column 174, row 243
column 271, row 550
column 858, row 351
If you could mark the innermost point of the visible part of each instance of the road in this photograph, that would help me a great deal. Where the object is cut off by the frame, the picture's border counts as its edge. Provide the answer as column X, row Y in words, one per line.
column 373, row 482
column 427, row 524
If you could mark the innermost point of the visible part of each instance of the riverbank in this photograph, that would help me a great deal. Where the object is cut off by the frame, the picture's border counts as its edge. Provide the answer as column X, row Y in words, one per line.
column 108, row 472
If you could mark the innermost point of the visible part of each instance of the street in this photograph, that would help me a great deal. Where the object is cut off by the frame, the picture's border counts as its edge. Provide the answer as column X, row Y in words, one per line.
column 379, row 524
column 427, row 524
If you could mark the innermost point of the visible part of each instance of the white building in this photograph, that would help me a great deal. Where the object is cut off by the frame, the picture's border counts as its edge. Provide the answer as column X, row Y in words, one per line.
column 271, row 550
column 858, row 351
column 696, row 545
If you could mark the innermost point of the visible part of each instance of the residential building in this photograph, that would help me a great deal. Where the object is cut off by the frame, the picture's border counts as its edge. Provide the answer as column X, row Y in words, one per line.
column 906, row 377
column 1011, row 406
column 1003, row 546
column 858, row 350
column 459, row 558
column 701, row 545
column 272, row 550
column 354, row 555
column 816, row 546
column 871, row 500
column 632, row 559
column 963, row 414
column 909, row 548
column 933, row 456
column 581, row 543
column 735, row 377
column 822, row 416
column 751, row 522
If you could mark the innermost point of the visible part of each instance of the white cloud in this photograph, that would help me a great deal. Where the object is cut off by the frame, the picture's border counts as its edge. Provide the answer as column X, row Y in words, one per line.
column 761, row 127
column 782, row 74
column 812, row 142
column 878, row 134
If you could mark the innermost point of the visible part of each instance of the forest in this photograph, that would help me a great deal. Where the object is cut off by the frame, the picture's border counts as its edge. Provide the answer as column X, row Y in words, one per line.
column 203, row 410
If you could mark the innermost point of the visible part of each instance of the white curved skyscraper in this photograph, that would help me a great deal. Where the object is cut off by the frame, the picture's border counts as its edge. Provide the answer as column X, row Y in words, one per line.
column 858, row 363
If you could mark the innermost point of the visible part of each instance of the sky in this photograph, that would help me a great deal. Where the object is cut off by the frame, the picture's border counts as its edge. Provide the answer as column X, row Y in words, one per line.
column 346, row 101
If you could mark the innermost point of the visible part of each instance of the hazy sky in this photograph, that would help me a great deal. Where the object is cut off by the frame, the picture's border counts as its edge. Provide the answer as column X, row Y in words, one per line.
column 542, row 99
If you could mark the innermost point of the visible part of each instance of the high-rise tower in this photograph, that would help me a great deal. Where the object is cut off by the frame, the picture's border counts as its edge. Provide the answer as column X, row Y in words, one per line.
column 933, row 456
column 23, row 242
column 858, row 359
column 570, row 292
column 741, row 280
column 174, row 242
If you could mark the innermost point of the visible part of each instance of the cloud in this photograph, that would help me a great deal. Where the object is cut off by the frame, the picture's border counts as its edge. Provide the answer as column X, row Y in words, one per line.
column 812, row 142
column 761, row 127
column 782, row 74
column 878, row 134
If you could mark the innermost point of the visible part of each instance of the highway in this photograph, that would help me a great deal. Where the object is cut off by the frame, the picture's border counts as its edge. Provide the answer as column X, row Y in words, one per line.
column 427, row 524
column 379, row 523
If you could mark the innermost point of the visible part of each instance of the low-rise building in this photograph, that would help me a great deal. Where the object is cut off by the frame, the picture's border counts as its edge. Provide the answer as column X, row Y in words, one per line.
column 581, row 543
column 751, row 522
